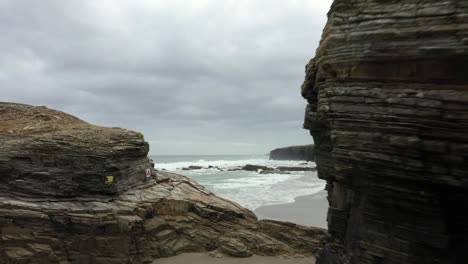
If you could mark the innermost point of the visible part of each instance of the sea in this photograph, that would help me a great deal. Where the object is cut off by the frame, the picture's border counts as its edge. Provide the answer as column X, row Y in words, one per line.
column 250, row 189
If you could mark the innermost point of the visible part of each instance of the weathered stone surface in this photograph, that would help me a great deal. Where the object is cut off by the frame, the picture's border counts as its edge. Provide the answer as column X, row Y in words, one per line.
column 92, row 222
column 49, row 153
column 165, row 216
column 293, row 153
column 388, row 110
column 234, row 247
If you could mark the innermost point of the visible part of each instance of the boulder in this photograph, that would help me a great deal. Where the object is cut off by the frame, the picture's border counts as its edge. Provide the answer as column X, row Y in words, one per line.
column 293, row 153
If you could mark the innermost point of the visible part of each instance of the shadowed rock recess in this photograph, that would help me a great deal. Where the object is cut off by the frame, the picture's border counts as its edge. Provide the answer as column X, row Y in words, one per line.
column 387, row 106
column 71, row 192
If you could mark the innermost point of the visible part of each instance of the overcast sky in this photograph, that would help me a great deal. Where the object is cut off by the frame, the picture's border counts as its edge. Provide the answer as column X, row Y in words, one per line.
column 195, row 77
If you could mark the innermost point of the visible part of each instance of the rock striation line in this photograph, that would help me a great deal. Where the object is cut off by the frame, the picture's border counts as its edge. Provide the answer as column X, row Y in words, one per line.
column 387, row 107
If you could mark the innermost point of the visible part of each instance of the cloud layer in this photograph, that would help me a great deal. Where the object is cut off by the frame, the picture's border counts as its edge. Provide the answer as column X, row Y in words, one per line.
column 196, row 77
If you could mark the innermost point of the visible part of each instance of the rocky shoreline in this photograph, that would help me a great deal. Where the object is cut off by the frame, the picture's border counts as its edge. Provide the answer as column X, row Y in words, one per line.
column 77, row 193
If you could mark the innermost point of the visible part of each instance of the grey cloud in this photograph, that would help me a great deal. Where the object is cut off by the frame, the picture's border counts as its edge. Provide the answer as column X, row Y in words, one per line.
column 196, row 77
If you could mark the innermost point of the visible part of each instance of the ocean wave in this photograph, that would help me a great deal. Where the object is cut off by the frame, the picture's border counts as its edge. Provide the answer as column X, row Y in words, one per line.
column 256, row 180
column 263, row 196
column 248, row 188
column 231, row 164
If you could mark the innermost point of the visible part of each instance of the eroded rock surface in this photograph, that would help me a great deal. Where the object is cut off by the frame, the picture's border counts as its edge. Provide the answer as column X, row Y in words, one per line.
column 50, row 153
column 388, row 110
column 58, row 206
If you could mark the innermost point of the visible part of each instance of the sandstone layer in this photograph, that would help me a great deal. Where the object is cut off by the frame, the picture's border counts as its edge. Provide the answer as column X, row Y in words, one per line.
column 293, row 153
column 58, row 205
column 50, row 153
column 387, row 106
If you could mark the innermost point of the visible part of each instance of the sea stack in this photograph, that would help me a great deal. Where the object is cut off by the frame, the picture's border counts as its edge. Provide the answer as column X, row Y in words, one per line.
column 72, row 192
column 305, row 152
column 387, row 107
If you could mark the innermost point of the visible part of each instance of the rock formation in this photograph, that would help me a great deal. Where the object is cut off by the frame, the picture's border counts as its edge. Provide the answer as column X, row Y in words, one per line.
column 293, row 153
column 275, row 170
column 387, row 106
column 250, row 167
column 47, row 152
column 72, row 192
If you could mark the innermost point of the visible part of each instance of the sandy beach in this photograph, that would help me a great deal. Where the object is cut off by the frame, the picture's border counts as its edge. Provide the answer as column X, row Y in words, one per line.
column 204, row 258
column 309, row 210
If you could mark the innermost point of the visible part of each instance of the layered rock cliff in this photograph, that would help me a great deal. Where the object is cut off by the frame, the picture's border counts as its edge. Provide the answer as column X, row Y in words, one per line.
column 293, row 153
column 50, row 153
column 387, row 107
column 72, row 192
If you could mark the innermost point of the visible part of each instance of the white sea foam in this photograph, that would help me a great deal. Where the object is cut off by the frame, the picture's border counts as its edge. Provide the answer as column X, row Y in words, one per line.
column 231, row 164
column 251, row 189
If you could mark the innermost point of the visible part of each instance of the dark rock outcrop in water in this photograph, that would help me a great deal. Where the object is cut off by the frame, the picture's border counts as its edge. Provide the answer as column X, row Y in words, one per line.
column 388, row 110
column 284, row 168
column 58, row 205
column 278, row 170
column 250, row 167
column 293, row 153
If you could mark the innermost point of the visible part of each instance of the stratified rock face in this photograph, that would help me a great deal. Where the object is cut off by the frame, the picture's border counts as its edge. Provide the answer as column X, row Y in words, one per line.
column 58, row 206
column 49, row 153
column 388, row 110
column 165, row 216
column 293, row 153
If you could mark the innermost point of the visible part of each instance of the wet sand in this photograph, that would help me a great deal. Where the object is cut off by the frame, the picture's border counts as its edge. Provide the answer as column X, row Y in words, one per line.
column 204, row 258
column 310, row 210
